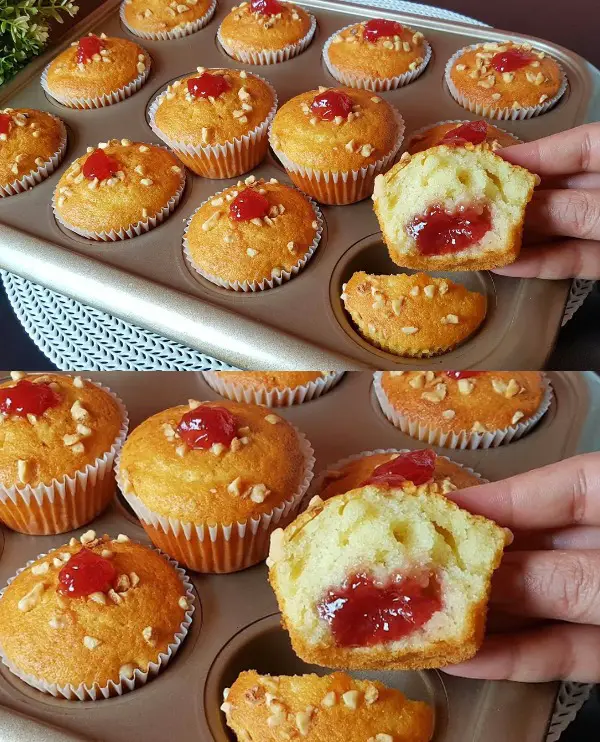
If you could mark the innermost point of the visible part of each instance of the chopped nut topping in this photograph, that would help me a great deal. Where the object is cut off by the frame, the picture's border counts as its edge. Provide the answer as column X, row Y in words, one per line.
column 465, row 386
column 410, row 330
column 234, row 487
column 88, row 537
column 272, row 419
column 276, row 550
column 123, row 583
column 366, row 150
column 217, row 449
column 148, row 635
column 303, row 722
column 417, row 382
column 251, row 252
column 126, row 671
column 40, row 569
column 329, row 700
column 226, row 707
column 122, row 538
column 259, row 493
column 183, row 603
column 450, row 319
column 90, row 643
column 429, row 291
column 371, row 694
column 17, row 375
column 512, row 389
column 58, row 622
column 350, row 699
column 29, row 601
column 517, row 416
column 22, row 470
column 98, row 598
column 106, row 553
column 381, row 738
column 115, row 597
column 478, row 427
column 448, row 414
column 78, row 412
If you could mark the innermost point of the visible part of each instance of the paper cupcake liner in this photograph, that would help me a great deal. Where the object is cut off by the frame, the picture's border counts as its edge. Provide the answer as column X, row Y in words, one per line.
column 69, row 502
column 37, row 176
column 97, row 692
column 346, row 187
column 465, row 438
column 228, row 160
column 376, row 84
column 272, row 397
column 221, row 548
column 270, row 57
column 501, row 114
column 177, row 33
column 265, row 283
column 425, row 129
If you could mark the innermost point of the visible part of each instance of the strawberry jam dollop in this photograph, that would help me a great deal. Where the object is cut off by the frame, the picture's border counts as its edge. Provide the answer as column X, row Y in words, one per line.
column 330, row 104
column 439, row 231
column 462, row 374
column 511, row 60
column 266, row 7
column 5, row 121
column 87, row 47
column 474, row 132
column 26, row 398
column 249, row 204
column 379, row 29
column 413, row 466
column 364, row 612
column 99, row 165
column 85, row 573
column 208, row 86
column 205, row 426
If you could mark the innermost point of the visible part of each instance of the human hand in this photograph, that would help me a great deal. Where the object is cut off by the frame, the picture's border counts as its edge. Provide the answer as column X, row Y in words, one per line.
column 562, row 222
column 544, row 620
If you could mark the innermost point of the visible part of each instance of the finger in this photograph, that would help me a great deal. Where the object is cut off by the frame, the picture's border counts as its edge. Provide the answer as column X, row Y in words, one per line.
column 555, row 652
column 585, row 181
column 502, row 623
column 567, row 213
column 563, row 259
column 576, row 537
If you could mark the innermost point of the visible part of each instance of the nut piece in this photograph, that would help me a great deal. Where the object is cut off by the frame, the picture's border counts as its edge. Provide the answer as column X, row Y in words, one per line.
column 417, row 382
column 126, row 671
column 29, row 601
column 88, row 537
column 276, row 550
column 98, row 598
column 183, row 603
column 371, row 694
column 381, row 738
column 90, row 643
column 329, row 700
column 465, row 387
column 350, row 699
column 148, row 634
column 517, row 416
column 40, row 569
column 272, row 419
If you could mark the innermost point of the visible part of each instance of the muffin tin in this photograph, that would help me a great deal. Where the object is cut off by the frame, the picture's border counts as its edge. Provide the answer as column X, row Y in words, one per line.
column 236, row 625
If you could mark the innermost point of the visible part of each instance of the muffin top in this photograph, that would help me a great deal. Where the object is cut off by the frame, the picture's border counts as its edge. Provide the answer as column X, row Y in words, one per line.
column 213, row 462
column 94, row 610
column 53, row 425
column 477, row 401
column 213, row 106
column 154, row 16
column 506, row 75
column 264, row 25
column 117, row 184
column 271, row 379
column 336, row 129
column 28, row 139
column 459, row 133
column 252, row 231
column 94, row 66
column 377, row 49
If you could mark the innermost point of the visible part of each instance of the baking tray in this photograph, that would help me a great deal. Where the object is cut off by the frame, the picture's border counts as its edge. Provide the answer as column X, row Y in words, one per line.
column 237, row 626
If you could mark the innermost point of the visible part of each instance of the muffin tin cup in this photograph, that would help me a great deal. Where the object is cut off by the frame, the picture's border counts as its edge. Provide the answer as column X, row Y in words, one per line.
column 37, row 176
column 97, row 692
column 69, row 502
column 376, row 84
column 265, row 283
column 501, row 114
column 465, row 438
column 221, row 548
column 272, row 397
column 177, row 33
column 267, row 56
column 228, row 160
column 458, row 122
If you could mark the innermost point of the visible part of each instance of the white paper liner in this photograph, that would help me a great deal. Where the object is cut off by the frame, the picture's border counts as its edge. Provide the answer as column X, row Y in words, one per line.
column 501, row 114
column 425, row 129
column 179, row 32
column 240, row 149
column 37, row 176
column 68, row 489
column 265, row 283
column 96, row 692
column 465, row 438
column 270, row 56
column 106, row 99
column 272, row 397
column 376, row 84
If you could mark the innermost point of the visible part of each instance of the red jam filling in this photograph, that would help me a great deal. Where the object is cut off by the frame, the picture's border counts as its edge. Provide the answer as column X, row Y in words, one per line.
column 379, row 28
column 438, row 231
column 462, row 374
column 26, row 398
column 249, row 204
column 330, row 104
column 511, row 60
column 99, row 165
column 87, row 47
column 414, row 466
column 86, row 573
column 204, row 426
column 474, row 132
column 362, row 613
column 266, row 7
column 208, row 86
column 5, row 120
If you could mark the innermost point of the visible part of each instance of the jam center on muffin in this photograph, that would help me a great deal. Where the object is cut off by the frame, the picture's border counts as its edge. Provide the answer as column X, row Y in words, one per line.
column 462, row 374
column 208, row 86
column 86, row 573
column 266, row 7
column 5, row 121
column 511, row 60
column 204, row 426
column 26, row 398
column 364, row 612
column 88, row 47
column 473, row 131
column 439, row 231
column 380, row 28
column 331, row 104
column 414, row 466
column 99, row 165
column 249, row 204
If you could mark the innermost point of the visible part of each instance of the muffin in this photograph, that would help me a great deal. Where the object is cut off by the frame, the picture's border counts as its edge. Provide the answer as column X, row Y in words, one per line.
column 161, row 20
column 505, row 81
column 463, row 409
column 376, row 55
column 413, row 315
column 453, row 209
column 266, row 31
column 253, row 236
column 96, row 71
column 94, row 618
column 333, row 142
column 211, row 480
column 459, row 133
column 332, row 708
column 118, row 190
column 216, row 121
column 272, row 388
column 32, row 145
column 341, row 570
column 60, row 435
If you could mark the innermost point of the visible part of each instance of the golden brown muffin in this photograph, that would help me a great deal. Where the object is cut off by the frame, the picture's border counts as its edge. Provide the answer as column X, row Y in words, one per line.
column 332, row 708
column 164, row 19
column 93, row 611
column 281, row 380
column 413, row 315
column 506, row 80
column 453, row 208
column 251, row 233
column 341, row 568
column 454, row 132
column 96, row 71
column 272, row 388
column 116, row 186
